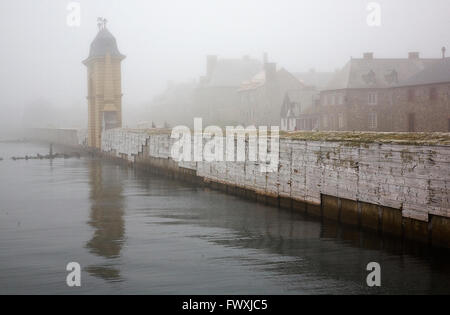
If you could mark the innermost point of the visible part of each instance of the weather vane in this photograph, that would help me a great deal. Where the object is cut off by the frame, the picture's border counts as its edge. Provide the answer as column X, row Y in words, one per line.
column 101, row 23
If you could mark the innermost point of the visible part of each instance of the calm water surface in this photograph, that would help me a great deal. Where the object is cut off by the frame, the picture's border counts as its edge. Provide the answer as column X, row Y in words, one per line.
column 138, row 233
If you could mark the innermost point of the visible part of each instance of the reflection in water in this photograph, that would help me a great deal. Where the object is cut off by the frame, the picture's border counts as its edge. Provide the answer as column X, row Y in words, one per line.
column 182, row 239
column 107, row 209
column 307, row 253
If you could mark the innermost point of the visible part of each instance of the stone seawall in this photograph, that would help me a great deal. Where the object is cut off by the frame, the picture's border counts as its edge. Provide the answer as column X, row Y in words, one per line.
column 393, row 183
column 399, row 184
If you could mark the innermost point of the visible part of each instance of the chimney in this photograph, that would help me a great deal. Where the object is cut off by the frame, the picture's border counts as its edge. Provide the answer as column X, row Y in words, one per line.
column 270, row 69
column 211, row 61
column 368, row 55
column 443, row 49
column 413, row 55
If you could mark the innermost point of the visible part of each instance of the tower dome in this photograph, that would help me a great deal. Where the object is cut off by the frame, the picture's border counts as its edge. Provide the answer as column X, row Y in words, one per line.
column 104, row 43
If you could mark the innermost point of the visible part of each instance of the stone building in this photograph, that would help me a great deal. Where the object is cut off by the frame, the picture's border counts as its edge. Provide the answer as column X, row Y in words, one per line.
column 366, row 96
column 421, row 103
column 314, row 79
column 104, row 85
column 261, row 97
column 295, row 103
column 174, row 105
column 216, row 99
column 302, row 101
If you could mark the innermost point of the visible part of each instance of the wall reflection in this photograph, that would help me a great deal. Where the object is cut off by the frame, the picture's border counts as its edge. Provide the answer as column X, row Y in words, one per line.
column 300, row 245
column 106, row 217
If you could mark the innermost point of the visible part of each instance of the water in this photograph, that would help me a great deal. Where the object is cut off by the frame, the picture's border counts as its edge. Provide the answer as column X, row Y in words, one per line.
column 138, row 233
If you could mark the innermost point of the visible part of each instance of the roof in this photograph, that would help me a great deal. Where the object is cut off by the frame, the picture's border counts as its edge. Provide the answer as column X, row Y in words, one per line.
column 232, row 72
column 104, row 43
column 438, row 72
column 313, row 78
column 376, row 73
column 256, row 81
column 259, row 80
column 176, row 93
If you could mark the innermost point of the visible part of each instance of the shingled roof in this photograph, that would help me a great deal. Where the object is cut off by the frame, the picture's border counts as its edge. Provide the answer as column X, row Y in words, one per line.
column 376, row 73
column 313, row 78
column 232, row 72
column 437, row 72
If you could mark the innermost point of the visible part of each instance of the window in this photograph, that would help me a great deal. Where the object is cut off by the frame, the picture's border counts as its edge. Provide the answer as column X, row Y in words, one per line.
column 411, row 95
column 433, row 94
column 373, row 123
column 373, row 98
column 341, row 120
column 340, row 99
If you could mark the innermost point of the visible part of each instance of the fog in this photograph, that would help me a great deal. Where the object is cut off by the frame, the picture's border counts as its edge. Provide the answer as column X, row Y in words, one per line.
column 43, row 80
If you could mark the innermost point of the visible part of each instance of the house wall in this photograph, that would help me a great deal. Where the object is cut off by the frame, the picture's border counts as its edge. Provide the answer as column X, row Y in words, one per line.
column 430, row 114
column 392, row 109
column 262, row 105
column 216, row 105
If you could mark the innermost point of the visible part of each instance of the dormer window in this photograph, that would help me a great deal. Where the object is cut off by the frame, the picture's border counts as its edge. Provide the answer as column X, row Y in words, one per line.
column 369, row 78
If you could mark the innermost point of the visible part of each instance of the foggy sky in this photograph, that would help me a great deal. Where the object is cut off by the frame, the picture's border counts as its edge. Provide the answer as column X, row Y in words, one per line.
column 41, row 56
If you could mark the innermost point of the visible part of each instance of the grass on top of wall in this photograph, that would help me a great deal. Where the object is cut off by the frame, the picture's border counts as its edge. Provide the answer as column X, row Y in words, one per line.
column 413, row 138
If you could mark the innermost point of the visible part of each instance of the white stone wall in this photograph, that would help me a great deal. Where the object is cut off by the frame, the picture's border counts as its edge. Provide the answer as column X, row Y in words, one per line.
column 414, row 178
column 124, row 142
